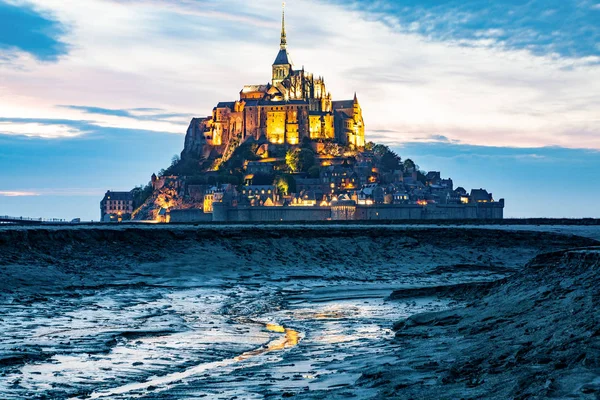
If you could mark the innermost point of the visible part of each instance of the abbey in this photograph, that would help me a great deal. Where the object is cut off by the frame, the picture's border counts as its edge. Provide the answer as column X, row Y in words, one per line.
column 295, row 105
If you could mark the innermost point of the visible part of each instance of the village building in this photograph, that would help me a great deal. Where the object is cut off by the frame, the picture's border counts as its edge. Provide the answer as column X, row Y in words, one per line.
column 116, row 206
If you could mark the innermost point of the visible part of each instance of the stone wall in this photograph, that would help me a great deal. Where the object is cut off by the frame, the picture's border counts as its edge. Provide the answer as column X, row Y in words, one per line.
column 346, row 212
column 260, row 214
column 190, row 215
column 432, row 211
column 225, row 213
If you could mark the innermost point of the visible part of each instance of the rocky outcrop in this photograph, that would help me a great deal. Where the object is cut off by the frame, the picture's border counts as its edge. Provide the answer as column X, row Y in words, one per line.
column 195, row 142
column 535, row 335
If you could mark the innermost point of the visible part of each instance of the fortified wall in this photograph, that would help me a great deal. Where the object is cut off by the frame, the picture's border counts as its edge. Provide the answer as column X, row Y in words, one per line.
column 344, row 212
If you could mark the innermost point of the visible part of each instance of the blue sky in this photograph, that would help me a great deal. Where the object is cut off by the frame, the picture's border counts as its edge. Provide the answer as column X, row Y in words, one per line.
column 97, row 94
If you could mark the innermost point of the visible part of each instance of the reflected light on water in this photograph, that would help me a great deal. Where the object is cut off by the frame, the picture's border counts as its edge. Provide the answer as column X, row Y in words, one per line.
column 290, row 339
column 275, row 328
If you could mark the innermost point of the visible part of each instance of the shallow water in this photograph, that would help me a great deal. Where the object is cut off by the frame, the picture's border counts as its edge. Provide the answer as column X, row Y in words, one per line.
column 216, row 337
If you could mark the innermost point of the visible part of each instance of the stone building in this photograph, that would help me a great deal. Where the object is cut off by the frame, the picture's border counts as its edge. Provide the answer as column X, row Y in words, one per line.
column 116, row 206
column 294, row 106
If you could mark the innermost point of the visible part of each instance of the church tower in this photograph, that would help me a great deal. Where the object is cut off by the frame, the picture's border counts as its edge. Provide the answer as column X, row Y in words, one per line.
column 282, row 66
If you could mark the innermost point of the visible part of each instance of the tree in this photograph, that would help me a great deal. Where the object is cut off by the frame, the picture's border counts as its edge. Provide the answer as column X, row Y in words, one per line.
column 300, row 160
column 262, row 179
column 291, row 160
column 369, row 146
column 390, row 161
column 409, row 164
column 314, row 172
column 141, row 194
column 333, row 149
column 286, row 184
column 380, row 149
column 187, row 166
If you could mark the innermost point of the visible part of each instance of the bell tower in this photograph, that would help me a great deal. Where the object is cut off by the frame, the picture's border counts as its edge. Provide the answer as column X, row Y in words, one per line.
column 282, row 66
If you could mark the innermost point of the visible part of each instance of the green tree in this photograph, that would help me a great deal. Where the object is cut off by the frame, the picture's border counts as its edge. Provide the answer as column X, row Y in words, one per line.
column 286, row 184
column 300, row 160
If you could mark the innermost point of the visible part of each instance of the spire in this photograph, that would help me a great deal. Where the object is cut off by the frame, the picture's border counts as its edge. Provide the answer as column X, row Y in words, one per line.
column 355, row 98
column 283, row 36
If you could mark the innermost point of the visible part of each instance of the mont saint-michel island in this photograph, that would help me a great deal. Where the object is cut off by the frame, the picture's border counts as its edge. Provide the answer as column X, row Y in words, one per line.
column 333, row 224
column 286, row 150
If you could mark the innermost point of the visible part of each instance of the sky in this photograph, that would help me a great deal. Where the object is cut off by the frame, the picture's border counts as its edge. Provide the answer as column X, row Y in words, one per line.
column 503, row 95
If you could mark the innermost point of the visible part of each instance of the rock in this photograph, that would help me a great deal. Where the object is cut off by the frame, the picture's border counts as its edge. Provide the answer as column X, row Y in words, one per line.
column 194, row 139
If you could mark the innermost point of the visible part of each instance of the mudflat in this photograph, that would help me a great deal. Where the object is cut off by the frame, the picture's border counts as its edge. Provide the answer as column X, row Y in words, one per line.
column 307, row 311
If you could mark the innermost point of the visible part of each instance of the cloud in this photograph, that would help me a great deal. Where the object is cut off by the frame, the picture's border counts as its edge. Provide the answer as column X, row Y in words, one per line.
column 25, row 28
column 48, row 128
column 125, row 70
column 571, row 157
column 565, row 27
column 17, row 194
column 140, row 114
column 43, row 128
column 58, row 192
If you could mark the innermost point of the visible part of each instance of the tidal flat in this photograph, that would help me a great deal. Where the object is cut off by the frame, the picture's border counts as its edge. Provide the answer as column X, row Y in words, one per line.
column 222, row 312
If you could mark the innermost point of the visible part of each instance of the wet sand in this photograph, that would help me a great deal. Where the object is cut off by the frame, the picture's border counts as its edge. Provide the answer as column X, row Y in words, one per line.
column 252, row 312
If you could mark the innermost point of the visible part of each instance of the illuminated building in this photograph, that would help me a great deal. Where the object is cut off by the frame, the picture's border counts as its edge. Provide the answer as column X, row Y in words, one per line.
column 294, row 106
column 116, row 206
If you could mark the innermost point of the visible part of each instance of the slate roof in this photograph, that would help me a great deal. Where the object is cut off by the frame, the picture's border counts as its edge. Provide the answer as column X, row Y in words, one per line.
column 480, row 195
column 120, row 196
column 283, row 58
column 255, row 88
column 343, row 108
column 226, row 104
column 339, row 104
